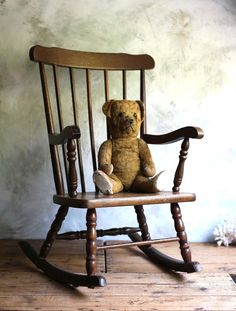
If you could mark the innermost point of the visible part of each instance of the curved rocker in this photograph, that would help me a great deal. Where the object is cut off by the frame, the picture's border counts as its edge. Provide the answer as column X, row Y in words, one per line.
column 158, row 257
column 59, row 275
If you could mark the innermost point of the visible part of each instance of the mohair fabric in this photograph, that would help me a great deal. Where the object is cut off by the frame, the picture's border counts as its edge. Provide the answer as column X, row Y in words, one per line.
column 125, row 161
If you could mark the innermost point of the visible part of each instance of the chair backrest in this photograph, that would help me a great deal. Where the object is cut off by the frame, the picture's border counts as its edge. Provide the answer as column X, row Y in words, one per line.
column 88, row 77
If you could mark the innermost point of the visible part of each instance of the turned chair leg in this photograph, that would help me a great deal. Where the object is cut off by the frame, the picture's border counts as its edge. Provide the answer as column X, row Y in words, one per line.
column 142, row 222
column 91, row 242
column 52, row 233
column 180, row 230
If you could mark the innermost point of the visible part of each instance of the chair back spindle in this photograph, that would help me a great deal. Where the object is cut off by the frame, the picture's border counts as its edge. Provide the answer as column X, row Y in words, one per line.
column 76, row 122
column 124, row 80
column 59, row 113
column 143, row 128
column 90, row 117
column 106, row 90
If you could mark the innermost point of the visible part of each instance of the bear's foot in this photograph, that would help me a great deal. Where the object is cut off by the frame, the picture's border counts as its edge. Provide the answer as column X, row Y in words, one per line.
column 145, row 184
column 156, row 182
column 163, row 180
column 103, row 182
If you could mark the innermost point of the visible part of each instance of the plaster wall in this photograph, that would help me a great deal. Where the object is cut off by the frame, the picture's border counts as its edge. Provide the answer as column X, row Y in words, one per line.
column 194, row 45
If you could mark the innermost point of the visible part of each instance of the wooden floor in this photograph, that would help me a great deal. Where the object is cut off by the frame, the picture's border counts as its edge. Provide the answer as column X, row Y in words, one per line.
column 22, row 287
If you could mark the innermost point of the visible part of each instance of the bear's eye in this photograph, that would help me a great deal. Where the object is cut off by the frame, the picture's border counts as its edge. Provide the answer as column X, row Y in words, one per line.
column 121, row 114
column 135, row 115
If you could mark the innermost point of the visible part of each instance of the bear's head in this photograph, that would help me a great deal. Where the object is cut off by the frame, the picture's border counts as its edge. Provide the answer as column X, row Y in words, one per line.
column 125, row 117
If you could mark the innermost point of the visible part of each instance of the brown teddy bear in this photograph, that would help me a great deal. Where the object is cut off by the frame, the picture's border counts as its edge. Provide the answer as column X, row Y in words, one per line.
column 125, row 161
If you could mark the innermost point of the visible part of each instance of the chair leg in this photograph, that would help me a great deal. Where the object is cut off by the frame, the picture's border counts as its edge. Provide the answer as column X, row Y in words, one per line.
column 180, row 230
column 91, row 243
column 52, row 233
column 142, row 222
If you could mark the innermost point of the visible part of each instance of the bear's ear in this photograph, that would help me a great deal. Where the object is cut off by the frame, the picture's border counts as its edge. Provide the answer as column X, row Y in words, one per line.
column 142, row 108
column 106, row 108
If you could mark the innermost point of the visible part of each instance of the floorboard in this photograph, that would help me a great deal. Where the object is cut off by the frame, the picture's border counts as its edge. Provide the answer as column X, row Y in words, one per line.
column 23, row 287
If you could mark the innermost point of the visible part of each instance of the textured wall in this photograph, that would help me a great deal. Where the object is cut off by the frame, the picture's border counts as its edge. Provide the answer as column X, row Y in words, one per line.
column 194, row 45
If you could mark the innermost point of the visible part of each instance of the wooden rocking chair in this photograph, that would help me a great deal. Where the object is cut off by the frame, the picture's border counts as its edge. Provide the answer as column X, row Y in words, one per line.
column 65, row 141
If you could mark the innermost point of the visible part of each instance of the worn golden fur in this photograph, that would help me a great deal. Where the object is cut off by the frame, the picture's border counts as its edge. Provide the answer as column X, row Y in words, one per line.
column 125, row 161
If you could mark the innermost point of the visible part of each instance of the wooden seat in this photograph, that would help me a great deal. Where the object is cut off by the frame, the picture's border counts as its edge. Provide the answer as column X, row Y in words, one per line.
column 98, row 200
column 73, row 147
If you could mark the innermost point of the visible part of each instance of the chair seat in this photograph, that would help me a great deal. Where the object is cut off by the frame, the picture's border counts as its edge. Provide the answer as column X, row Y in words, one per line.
column 97, row 200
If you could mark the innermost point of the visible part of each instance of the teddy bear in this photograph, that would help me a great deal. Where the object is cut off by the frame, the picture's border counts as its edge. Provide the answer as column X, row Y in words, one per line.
column 124, row 161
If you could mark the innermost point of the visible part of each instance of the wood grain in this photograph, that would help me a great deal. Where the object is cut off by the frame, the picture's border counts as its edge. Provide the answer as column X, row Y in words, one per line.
column 99, row 200
column 91, row 60
column 22, row 287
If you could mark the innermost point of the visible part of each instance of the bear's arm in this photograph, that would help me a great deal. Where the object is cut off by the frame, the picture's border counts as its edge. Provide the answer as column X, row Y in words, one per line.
column 104, row 157
column 147, row 164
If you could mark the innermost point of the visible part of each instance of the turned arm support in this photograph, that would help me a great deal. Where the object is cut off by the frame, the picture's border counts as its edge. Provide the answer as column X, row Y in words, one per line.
column 179, row 172
column 184, row 134
column 68, row 136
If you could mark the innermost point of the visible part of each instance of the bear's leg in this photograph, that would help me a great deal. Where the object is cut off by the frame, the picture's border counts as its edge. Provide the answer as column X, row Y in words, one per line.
column 107, row 184
column 145, row 184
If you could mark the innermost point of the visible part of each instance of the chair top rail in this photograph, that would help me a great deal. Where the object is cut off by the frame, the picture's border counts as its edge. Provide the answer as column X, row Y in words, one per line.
column 90, row 60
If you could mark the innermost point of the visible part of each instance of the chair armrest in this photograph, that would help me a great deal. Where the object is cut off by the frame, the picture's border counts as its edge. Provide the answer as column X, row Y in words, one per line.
column 69, row 132
column 184, row 132
column 181, row 134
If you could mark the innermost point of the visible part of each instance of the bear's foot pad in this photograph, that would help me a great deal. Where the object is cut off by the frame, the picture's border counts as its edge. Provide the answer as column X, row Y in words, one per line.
column 102, row 182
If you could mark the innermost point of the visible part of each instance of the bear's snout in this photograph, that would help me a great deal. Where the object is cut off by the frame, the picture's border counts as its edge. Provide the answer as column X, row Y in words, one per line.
column 129, row 121
column 126, row 124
